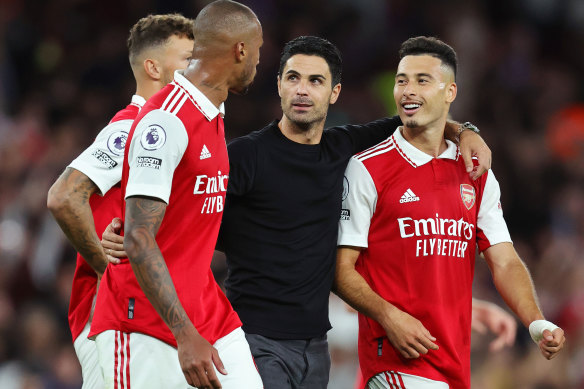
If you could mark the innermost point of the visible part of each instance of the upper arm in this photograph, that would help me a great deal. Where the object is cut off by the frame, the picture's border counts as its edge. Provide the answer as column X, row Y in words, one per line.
column 159, row 142
column 347, row 256
column 358, row 205
column 143, row 218
column 491, row 226
column 71, row 184
column 500, row 255
column 102, row 160
column 368, row 135
column 242, row 165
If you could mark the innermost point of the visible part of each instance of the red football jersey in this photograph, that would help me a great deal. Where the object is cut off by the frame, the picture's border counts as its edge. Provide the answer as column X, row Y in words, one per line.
column 177, row 153
column 102, row 163
column 419, row 220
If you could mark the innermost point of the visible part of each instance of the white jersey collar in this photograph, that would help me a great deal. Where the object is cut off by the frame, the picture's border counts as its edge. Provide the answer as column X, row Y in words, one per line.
column 203, row 103
column 138, row 100
column 417, row 157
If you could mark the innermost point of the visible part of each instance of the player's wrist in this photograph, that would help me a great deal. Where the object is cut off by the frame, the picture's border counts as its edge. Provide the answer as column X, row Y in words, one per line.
column 537, row 327
column 466, row 126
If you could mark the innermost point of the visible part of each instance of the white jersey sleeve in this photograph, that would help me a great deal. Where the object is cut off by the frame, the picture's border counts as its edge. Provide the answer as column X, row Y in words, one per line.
column 102, row 161
column 491, row 225
column 359, row 202
column 158, row 145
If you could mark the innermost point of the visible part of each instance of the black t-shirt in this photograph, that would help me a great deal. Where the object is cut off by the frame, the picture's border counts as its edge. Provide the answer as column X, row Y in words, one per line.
column 279, row 229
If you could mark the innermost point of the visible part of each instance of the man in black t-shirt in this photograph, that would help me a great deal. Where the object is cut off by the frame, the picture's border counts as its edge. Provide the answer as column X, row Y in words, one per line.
column 280, row 222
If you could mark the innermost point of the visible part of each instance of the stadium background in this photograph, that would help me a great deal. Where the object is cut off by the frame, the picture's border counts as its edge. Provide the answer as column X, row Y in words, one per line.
column 64, row 72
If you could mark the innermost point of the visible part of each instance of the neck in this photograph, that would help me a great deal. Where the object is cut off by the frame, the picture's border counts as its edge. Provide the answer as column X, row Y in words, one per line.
column 309, row 135
column 147, row 89
column 209, row 78
column 429, row 139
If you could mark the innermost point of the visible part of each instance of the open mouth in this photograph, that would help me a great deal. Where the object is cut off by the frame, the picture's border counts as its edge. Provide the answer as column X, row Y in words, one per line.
column 411, row 108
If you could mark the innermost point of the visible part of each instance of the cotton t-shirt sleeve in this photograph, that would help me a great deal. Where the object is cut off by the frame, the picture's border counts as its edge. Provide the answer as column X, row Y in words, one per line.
column 102, row 161
column 359, row 202
column 491, row 227
column 368, row 135
column 158, row 144
column 242, row 165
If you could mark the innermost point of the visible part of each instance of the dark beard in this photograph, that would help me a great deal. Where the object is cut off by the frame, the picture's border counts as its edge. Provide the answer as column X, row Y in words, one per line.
column 411, row 124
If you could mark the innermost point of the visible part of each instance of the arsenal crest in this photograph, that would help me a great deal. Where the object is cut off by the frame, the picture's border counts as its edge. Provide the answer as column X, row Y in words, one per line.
column 467, row 193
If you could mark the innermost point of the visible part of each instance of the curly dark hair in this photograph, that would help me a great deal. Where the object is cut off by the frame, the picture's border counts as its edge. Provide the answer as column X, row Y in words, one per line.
column 313, row 45
column 424, row 45
column 154, row 30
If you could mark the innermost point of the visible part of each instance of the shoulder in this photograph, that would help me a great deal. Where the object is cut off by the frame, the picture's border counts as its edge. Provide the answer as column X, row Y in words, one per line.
column 382, row 149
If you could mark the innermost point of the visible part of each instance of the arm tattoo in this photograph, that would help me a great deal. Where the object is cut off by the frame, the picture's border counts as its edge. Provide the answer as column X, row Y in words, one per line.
column 143, row 218
column 72, row 192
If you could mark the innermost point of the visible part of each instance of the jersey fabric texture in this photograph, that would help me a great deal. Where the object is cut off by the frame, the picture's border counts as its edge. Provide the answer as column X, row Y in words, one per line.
column 419, row 219
column 177, row 153
column 280, row 225
column 102, row 163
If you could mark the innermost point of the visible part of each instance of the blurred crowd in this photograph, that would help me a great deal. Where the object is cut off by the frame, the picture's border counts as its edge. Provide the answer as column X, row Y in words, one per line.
column 64, row 72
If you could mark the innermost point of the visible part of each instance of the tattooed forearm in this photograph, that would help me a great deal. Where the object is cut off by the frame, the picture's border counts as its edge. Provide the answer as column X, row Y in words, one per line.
column 68, row 201
column 143, row 218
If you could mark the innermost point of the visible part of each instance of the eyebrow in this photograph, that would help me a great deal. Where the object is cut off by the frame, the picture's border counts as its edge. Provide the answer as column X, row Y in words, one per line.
column 292, row 71
column 417, row 75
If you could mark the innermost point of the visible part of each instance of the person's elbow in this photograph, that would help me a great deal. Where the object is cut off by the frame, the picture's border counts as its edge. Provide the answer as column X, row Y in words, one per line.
column 134, row 241
column 59, row 200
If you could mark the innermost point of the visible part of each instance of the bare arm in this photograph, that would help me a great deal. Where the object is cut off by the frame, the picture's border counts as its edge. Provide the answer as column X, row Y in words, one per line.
column 514, row 283
column 196, row 355
column 471, row 145
column 68, row 201
column 407, row 334
column 487, row 316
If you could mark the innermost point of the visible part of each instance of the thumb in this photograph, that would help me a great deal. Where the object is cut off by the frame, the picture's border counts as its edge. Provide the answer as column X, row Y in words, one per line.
column 116, row 223
column 218, row 363
column 547, row 335
column 467, row 157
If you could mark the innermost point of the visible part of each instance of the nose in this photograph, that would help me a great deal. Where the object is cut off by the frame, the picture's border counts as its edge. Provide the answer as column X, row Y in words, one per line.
column 409, row 89
column 301, row 88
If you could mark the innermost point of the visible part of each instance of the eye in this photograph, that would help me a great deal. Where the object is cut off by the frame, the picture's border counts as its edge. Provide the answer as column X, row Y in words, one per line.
column 423, row 81
column 400, row 81
column 292, row 77
column 316, row 81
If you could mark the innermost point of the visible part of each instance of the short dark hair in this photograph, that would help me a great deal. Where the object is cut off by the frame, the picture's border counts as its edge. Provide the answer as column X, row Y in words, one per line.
column 424, row 45
column 154, row 30
column 313, row 45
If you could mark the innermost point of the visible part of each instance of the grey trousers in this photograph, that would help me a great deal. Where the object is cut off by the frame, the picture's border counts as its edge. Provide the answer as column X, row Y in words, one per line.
column 291, row 364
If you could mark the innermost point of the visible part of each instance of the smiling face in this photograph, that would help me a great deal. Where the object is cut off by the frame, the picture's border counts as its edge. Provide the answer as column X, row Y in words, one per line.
column 306, row 90
column 424, row 89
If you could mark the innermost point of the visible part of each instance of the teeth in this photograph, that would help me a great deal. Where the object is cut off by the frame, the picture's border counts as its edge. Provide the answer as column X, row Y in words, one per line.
column 411, row 106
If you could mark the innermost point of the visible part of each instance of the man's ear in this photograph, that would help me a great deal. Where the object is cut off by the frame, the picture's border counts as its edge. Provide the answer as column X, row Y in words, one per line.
column 451, row 92
column 240, row 51
column 279, row 94
column 152, row 68
column 335, row 94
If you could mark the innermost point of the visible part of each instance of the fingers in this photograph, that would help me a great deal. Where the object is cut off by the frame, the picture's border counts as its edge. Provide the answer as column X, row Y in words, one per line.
column 218, row 362
column 467, row 157
column 116, row 224
column 552, row 343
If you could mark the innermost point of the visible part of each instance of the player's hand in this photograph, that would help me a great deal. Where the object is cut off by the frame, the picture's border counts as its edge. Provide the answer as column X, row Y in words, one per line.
column 490, row 317
column 112, row 242
column 408, row 335
column 197, row 358
column 472, row 145
column 552, row 343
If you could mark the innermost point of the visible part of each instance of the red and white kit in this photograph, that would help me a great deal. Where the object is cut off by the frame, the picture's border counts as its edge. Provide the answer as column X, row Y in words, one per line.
column 102, row 163
column 177, row 153
column 419, row 219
